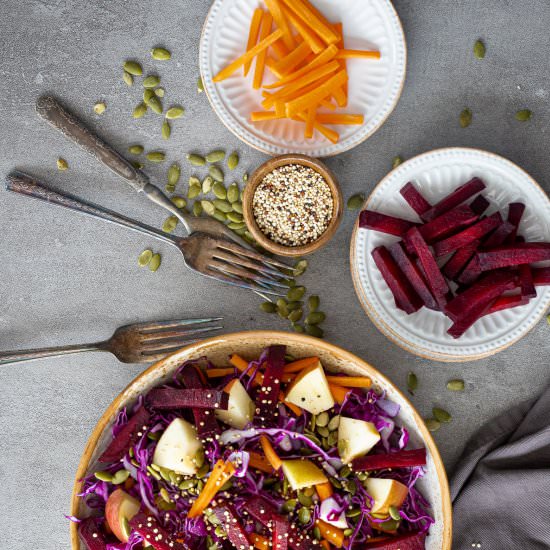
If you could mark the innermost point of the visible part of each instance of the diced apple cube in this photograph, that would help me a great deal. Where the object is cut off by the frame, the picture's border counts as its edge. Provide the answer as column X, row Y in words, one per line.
column 241, row 407
column 325, row 513
column 355, row 438
column 310, row 390
column 386, row 493
column 302, row 473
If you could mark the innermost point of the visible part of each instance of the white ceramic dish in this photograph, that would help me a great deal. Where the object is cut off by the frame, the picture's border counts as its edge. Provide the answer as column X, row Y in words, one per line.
column 436, row 173
column 250, row 344
column 375, row 85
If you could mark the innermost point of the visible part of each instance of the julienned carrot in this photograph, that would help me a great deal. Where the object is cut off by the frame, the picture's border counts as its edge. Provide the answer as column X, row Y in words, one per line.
column 300, row 364
column 293, row 59
column 270, row 453
column 339, row 28
column 327, row 104
column 259, row 116
column 325, row 545
column 219, row 373
column 350, row 381
column 330, row 533
column 313, row 18
column 310, row 122
column 251, row 54
column 340, row 96
column 253, row 35
column 267, row 23
column 280, row 20
column 352, row 54
column 331, row 135
column 269, row 100
column 262, row 543
column 324, row 490
column 221, row 473
column 260, row 462
column 344, row 118
column 314, row 42
column 280, row 108
column 279, row 49
column 270, row 63
column 339, row 393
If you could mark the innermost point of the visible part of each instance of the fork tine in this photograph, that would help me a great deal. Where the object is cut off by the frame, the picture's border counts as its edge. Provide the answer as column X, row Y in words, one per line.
column 235, row 281
column 155, row 326
column 231, row 258
column 236, row 249
column 161, row 353
column 158, row 339
column 232, row 269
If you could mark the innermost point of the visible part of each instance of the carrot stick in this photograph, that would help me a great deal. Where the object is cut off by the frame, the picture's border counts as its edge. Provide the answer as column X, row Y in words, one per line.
column 324, row 57
column 350, row 381
column 260, row 462
column 251, row 54
column 280, row 20
column 324, row 490
column 339, row 28
column 330, row 533
column 259, row 116
column 279, row 49
column 325, row 545
column 293, row 59
column 219, row 373
column 315, row 43
column 270, row 63
column 339, row 393
column 222, row 471
column 340, row 96
column 253, row 35
column 295, row 409
column 310, row 122
column 353, row 54
column 259, row 542
column 315, row 21
column 280, row 109
column 267, row 23
column 300, row 364
column 270, row 453
column 344, row 118
column 330, row 134
column 327, row 104
column 241, row 365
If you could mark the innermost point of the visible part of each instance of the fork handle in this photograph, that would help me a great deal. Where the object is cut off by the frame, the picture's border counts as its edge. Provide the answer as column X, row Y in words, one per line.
column 21, row 183
column 7, row 357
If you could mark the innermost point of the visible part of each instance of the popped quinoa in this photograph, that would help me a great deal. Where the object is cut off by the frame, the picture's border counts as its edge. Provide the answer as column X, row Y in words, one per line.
column 293, row 205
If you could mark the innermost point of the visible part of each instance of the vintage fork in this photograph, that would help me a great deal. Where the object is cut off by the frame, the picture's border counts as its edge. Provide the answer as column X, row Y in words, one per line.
column 138, row 343
column 217, row 258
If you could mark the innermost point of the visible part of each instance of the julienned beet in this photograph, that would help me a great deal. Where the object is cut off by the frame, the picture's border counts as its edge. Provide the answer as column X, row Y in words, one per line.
column 486, row 264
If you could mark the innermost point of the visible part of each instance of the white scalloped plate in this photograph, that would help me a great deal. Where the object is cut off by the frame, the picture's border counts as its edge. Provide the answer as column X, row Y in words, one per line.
column 436, row 173
column 375, row 85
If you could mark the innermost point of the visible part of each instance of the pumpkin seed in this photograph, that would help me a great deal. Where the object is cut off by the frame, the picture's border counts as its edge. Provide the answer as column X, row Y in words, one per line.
column 175, row 112
column 160, row 54
column 174, row 173
column 133, row 67
column 145, row 257
column 298, row 328
column 394, row 513
column 322, row 419
column 352, row 488
column 332, row 439
column 316, row 533
column 193, row 191
column 315, row 318
column 441, row 415
column 300, row 267
column 304, row 516
column 207, row 184
column 187, row 484
column 323, row 431
column 432, row 424
column 353, row 513
column 334, row 423
column 156, row 156
column 208, row 207
column 202, row 471
column 296, row 293
column 224, row 206
column 292, row 306
column 282, row 308
column 180, row 202
column 102, row 475
column 233, row 193
column 314, row 330
column 348, row 532
column 215, row 156
column 165, row 495
column 199, row 459
column 194, row 181
column 396, row 161
column 412, row 382
column 356, row 201
column 479, row 49
column 220, row 216
column 200, row 85
column 455, row 385
column 219, row 190
column 304, row 500
column 465, row 118
column 236, row 226
column 245, row 177
column 295, row 316
column 151, row 81
column 170, row 224
column 335, row 483
column 290, row 505
column 166, row 130
column 217, row 173
column 153, row 436
column 62, row 164
column 233, row 161
column 155, row 262
column 313, row 303
column 100, row 108
column 137, row 165
column 268, row 307
column 120, row 477
column 235, row 217
column 197, row 209
column 128, row 78
column 196, row 160
column 159, row 92
column 147, row 95
column 135, row 149
column 390, row 525
column 125, row 525
column 155, row 104
column 140, row 110
column 524, row 115
column 237, row 207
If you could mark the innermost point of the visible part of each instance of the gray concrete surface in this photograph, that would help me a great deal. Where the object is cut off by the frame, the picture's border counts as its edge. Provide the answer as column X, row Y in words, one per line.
column 65, row 278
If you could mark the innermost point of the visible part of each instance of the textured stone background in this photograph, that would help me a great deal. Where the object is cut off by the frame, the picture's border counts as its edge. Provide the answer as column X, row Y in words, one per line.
column 66, row 279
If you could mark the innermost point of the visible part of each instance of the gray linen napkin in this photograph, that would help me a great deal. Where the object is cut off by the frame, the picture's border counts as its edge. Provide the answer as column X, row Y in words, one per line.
column 501, row 487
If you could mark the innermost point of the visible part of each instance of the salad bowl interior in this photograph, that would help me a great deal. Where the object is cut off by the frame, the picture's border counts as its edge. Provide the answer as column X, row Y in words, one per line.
column 249, row 345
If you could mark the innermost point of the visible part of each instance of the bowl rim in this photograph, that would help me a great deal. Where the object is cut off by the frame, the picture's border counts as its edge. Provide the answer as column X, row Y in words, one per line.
column 282, row 338
column 283, row 160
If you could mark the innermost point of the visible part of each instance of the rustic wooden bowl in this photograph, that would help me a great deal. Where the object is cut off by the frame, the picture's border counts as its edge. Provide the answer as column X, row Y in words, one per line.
column 250, row 344
column 256, row 179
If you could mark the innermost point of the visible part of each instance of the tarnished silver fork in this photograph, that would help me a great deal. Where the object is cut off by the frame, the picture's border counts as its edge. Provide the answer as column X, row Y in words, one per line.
column 139, row 343
column 214, row 257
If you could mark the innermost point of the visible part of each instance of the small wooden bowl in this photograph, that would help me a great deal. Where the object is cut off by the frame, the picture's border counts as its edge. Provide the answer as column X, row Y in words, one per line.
column 257, row 178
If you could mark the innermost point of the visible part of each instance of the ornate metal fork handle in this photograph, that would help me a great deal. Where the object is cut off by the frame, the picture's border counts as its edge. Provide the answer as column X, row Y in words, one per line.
column 39, row 353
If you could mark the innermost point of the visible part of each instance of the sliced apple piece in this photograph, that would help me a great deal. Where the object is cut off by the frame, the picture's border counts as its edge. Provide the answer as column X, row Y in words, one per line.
column 302, row 473
column 119, row 510
column 327, row 506
column 241, row 407
column 355, row 438
column 178, row 447
column 310, row 390
column 386, row 493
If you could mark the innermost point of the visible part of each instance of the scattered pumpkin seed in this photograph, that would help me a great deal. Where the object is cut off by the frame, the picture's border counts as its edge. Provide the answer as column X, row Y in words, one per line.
column 304, row 516
column 175, row 112
column 323, row 431
column 196, row 160
column 100, row 108
column 455, row 385
column 300, row 267
column 292, row 306
column 235, row 217
column 296, row 293
column 237, row 207
column 125, row 525
column 390, row 525
column 290, row 505
column 156, row 156
column 356, row 201
column 322, row 419
column 153, row 436
column 396, row 161
column 193, row 191
column 174, row 173
column 222, row 205
column 145, row 257
column 220, row 216
column 180, row 202
column 202, row 471
column 159, row 92
column 432, row 424
column 120, row 477
column 166, row 130
column 170, row 224
column 479, row 49
column 233, row 193
column 524, row 115
column 314, row 330
column 207, row 184
column 313, row 303
column 147, row 95
column 62, row 164
column 245, row 177
column 208, row 207
column 151, row 81
column 133, row 67
column 137, row 165
column 465, row 118
column 316, row 533
column 128, row 78
column 282, row 308
column 268, row 307
column 303, row 499
column 412, row 382
column 215, row 156
column 295, row 316
column 155, row 104
column 348, row 532
column 102, row 475
column 160, row 54
column 335, row 482
column 140, row 110
column 334, row 423
column 315, row 318
column 298, row 328
column 197, row 209
column 165, row 495
column 441, row 415
column 394, row 513
column 155, row 262
column 187, row 484
column 332, row 439
column 217, row 173
column 233, row 161
column 353, row 513
column 219, row 190
column 135, row 149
